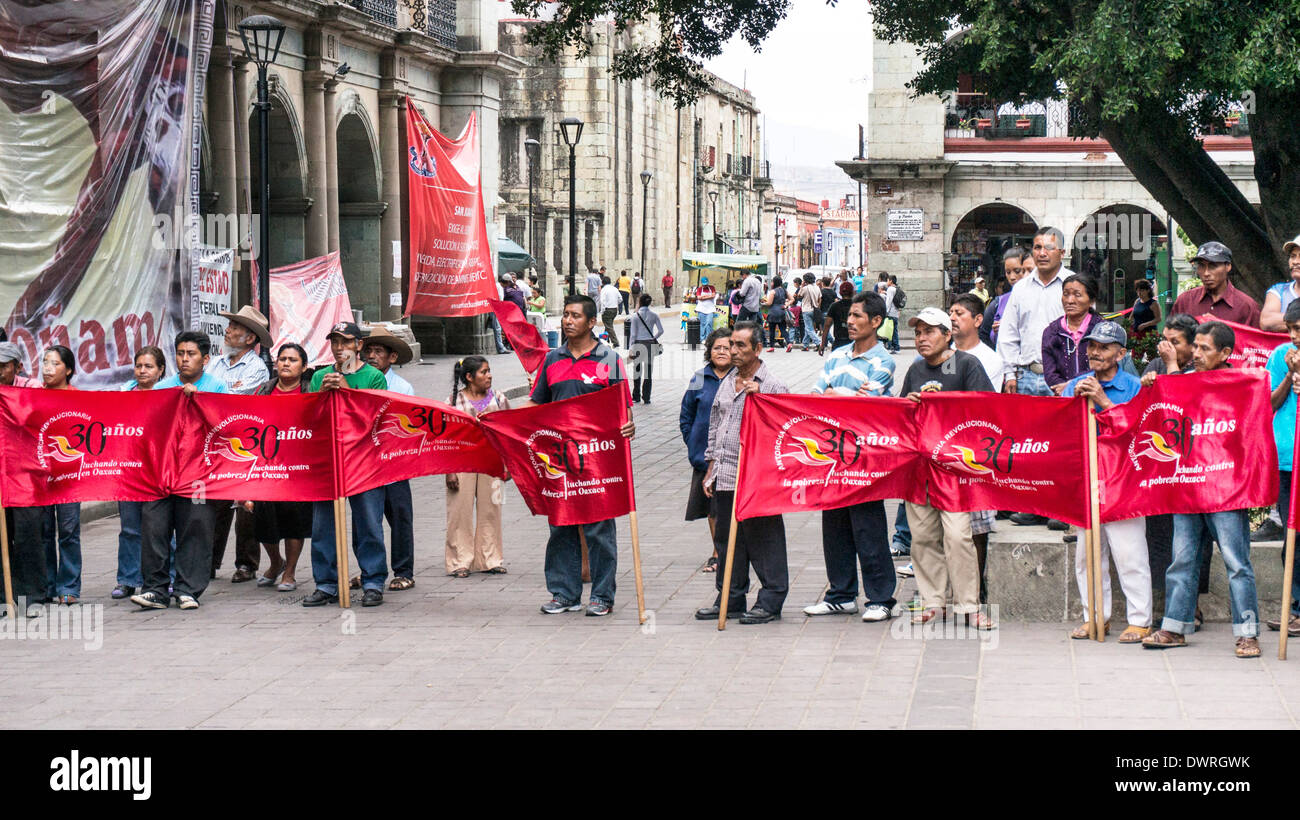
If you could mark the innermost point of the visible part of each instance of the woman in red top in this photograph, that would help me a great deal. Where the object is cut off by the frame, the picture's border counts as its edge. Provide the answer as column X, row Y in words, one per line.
column 61, row 532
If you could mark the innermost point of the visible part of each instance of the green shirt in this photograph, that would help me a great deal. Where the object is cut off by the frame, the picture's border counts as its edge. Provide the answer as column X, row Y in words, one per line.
column 366, row 378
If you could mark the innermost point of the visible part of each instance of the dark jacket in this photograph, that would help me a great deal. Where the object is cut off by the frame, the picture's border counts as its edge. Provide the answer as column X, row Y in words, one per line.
column 1062, row 358
column 694, row 422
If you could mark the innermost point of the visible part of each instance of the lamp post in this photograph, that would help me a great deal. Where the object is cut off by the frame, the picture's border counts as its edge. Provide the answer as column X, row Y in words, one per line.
column 531, row 146
column 821, row 257
column 713, row 198
column 266, row 33
column 645, row 194
column 776, row 238
column 571, row 128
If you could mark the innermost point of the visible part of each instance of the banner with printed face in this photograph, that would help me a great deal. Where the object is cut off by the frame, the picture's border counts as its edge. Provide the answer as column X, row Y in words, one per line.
column 823, row 452
column 256, row 448
column 993, row 451
column 64, row 446
column 451, row 260
column 1253, row 346
column 568, row 457
column 1194, row 443
column 100, row 117
column 307, row 299
column 386, row 437
column 216, row 268
column 523, row 335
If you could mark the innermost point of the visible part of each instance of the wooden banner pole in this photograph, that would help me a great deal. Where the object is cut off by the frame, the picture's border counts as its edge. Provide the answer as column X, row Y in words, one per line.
column 725, row 597
column 586, row 558
column 1288, row 567
column 636, row 568
column 11, row 608
column 1095, row 582
column 341, row 553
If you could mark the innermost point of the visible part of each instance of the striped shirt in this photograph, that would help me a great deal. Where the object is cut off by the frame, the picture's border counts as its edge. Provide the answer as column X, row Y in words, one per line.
column 846, row 371
column 725, row 415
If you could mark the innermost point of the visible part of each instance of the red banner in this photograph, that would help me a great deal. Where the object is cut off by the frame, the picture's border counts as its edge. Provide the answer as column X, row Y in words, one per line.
column 63, row 446
column 822, row 452
column 1253, row 346
column 568, row 457
column 256, row 448
column 307, row 299
column 1200, row 442
column 386, row 437
column 991, row 451
column 524, row 336
column 451, row 260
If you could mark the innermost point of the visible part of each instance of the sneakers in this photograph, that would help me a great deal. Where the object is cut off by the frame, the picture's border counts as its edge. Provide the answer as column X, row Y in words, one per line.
column 187, row 602
column 122, row 591
column 320, row 598
column 897, row 550
column 1268, row 531
column 598, row 609
column 555, row 606
column 876, row 612
column 906, row 571
column 828, row 608
column 150, row 600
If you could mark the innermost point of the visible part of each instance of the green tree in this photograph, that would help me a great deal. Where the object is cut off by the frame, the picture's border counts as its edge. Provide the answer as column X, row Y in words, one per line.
column 1145, row 75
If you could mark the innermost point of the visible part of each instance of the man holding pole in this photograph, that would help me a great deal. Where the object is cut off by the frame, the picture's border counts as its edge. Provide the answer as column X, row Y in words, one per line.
column 348, row 370
column 23, row 525
column 1105, row 386
column 579, row 366
column 1284, row 377
column 382, row 350
column 759, row 540
column 864, row 368
column 1213, row 347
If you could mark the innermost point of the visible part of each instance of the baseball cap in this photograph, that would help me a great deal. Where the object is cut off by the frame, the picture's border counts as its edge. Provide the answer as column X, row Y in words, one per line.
column 1292, row 245
column 1107, row 333
column 1213, row 252
column 347, row 330
column 979, row 278
column 9, row 352
column 931, row 316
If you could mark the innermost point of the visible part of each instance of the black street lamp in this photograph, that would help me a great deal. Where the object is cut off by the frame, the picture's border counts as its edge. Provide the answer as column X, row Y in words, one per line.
column 266, row 33
column 571, row 128
column 713, row 198
column 531, row 146
column 776, row 238
column 645, row 193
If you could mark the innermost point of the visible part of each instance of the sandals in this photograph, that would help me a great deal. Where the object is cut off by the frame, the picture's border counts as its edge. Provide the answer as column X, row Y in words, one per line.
column 927, row 615
column 1134, row 634
column 287, row 586
column 1081, row 632
column 355, row 583
column 69, row 600
column 1248, row 647
column 1164, row 639
column 981, row 621
column 711, row 565
column 399, row 584
column 460, row 573
column 496, row 571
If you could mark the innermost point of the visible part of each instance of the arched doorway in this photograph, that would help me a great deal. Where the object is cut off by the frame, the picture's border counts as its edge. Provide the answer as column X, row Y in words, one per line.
column 1117, row 245
column 980, row 239
column 288, row 189
column 359, row 212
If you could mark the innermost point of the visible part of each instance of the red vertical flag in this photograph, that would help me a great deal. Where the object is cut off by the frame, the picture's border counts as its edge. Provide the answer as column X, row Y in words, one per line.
column 523, row 335
column 568, row 457
column 451, row 260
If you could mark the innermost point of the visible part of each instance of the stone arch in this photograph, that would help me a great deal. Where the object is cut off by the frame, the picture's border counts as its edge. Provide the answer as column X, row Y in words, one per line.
column 1115, row 243
column 288, row 173
column 360, row 207
column 980, row 237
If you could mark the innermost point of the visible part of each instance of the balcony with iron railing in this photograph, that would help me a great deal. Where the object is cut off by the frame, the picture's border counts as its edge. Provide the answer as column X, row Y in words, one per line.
column 436, row 18
column 381, row 11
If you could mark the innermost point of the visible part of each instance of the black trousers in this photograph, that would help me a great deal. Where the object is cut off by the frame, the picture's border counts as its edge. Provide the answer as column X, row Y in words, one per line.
column 27, row 554
column 1160, row 551
column 644, row 366
column 247, row 551
column 760, row 542
column 853, row 535
column 192, row 521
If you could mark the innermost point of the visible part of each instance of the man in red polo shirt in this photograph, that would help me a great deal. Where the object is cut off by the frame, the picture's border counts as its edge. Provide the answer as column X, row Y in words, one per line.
column 1216, row 295
column 581, row 365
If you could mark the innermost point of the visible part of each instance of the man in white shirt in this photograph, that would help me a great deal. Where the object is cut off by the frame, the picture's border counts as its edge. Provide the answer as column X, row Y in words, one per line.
column 1034, row 304
column 383, row 350
column 706, row 305
column 967, row 311
column 891, row 312
column 610, row 301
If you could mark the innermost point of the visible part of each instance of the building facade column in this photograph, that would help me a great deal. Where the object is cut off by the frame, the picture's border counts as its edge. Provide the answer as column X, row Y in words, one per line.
column 554, row 298
column 221, row 126
column 242, row 288
column 392, row 133
column 316, row 234
column 332, row 164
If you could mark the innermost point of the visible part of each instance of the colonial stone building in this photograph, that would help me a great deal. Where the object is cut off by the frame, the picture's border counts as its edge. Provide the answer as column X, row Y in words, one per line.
column 712, row 146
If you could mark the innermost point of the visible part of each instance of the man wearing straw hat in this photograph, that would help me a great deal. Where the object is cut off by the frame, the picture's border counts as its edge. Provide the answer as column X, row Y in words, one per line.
column 241, row 370
column 383, row 350
column 26, row 556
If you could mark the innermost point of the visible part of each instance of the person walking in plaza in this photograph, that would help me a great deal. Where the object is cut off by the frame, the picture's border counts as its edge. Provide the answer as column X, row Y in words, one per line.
column 760, row 540
column 775, row 301
column 62, row 528
column 895, row 298
column 1211, row 350
column 858, row 534
column 243, row 372
column 1107, row 385
column 706, row 305
column 697, row 402
column 579, row 366
column 1284, row 379
column 667, row 284
column 1146, row 311
column 348, row 370
column 150, row 367
column 750, row 298
column 1280, row 296
column 287, row 521
column 610, row 301
column 190, row 521
column 624, row 291
column 634, row 294
column 1064, row 354
column 594, row 284
column 26, row 524
column 643, row 341
column 943, row 552
column 1035, row 302
column 835, row 326
column 1216, row 296
column 810, row 303
column 474, row 542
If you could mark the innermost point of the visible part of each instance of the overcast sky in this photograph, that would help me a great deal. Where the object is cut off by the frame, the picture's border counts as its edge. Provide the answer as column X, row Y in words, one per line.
column 810, row 81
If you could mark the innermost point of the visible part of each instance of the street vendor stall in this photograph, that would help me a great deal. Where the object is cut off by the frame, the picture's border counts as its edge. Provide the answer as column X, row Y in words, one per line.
column 718, row 269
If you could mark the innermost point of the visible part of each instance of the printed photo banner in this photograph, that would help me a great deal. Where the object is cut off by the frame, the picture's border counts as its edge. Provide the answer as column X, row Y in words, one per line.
column 1194, row 443
column 307, row 299
column 386, row 437
column 806, row 453
column 1253, row 346
column 568, row 457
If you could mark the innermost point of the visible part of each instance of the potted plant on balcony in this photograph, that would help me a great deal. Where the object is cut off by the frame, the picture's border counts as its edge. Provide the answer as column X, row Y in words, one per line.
column 1232, row 119
column 966, row 128
column 1024, row 123
column 984, row 122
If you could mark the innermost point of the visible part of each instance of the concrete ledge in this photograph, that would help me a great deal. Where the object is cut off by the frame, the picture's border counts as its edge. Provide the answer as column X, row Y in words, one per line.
column 1030, row 577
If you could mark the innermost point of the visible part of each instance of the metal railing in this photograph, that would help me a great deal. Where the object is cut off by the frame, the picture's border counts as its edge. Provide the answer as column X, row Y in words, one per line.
column 437, row 18
column 979, row 116
column 381, row 11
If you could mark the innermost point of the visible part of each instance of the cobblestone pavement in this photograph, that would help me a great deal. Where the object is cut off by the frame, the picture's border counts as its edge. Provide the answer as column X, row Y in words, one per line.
column 477, row 653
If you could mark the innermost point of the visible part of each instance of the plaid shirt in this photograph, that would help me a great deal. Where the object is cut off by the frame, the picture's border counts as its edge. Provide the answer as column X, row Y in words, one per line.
column 724, row 424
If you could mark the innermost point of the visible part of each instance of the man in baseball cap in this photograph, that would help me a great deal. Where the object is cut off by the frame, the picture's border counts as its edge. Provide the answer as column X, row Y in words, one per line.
column 1216, row 296
column 1280, row 296
column 1107, row 385
column 11, row 363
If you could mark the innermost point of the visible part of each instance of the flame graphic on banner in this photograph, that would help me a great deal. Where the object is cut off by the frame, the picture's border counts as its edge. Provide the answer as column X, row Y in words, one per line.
column 400, row 425
column 235, row 450
column 62, row 450
column 808, row 452
column 551, row 470
column 1157, row 448
column 964, row 459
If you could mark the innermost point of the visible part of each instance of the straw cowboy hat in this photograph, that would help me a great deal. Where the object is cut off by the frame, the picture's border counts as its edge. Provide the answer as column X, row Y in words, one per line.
column 380, row 336
column 252, row 318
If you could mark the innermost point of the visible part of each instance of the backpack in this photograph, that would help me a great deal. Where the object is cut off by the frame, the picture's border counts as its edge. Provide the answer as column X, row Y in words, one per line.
column 900, row 298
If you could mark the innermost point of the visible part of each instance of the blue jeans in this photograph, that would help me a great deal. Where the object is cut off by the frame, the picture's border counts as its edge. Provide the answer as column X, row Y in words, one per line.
column 563, row 565
column 63, row 561
column 128, row 544
column 810, row 336
column 892, row 344
column 367, row 542
column 902, row 531
column 1232, row 531
column 1029, row 383
column 399, row 512
column 496, row 333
